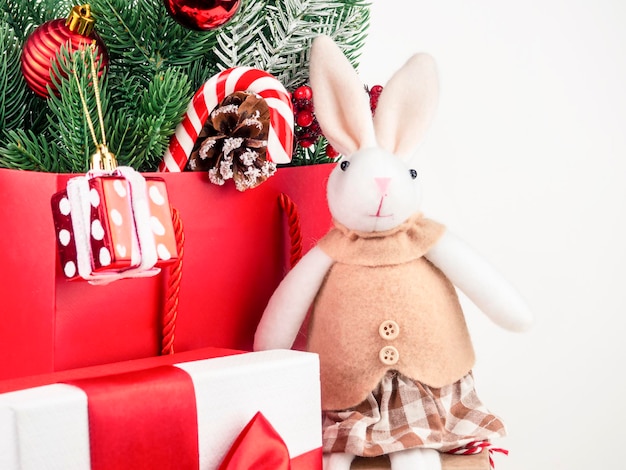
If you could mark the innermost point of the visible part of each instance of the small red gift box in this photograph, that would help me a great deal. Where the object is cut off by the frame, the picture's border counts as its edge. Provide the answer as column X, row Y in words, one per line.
column 181, row 412
column 107, row 224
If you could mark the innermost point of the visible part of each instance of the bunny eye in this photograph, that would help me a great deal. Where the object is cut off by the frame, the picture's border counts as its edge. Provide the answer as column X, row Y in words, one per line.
column 344, row 165
column 413, row 173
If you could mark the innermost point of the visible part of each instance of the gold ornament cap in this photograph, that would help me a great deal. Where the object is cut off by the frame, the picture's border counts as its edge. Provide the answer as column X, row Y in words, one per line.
column 80, row 20
column 103, row 159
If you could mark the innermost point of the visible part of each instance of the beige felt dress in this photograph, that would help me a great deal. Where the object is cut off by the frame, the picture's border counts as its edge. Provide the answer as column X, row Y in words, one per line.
column 395, row 353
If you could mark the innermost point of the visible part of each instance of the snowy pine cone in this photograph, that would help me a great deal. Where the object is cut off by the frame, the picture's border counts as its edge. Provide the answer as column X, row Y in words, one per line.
column 233, row 142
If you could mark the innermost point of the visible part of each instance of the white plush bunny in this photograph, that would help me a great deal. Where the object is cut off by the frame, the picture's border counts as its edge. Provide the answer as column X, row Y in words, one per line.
column 395, row 354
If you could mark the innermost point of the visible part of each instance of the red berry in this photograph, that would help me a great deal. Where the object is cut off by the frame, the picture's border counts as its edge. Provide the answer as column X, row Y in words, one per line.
column 331, row 152
column 303, row 92
column 304, row 118
column 375, row 92
column 306, row 143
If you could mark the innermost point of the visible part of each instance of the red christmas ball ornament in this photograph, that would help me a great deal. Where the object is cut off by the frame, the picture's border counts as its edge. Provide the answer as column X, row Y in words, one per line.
column 42, row 46
column 202, row 15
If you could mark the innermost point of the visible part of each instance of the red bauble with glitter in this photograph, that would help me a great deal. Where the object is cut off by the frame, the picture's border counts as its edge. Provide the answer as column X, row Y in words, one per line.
column 42, row 46
column 202, row 15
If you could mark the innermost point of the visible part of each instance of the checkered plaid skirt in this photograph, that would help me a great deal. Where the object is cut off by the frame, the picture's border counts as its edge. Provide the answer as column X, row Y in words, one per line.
column 402, row 414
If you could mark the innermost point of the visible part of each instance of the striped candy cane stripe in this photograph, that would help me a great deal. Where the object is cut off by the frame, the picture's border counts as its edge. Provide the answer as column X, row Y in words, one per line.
column 218, row 87
column 476, row 447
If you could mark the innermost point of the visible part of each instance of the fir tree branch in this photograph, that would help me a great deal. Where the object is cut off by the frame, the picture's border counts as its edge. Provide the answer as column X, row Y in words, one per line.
column 162, row 105
column 124, row 114
column 342, row 27
column 121, row 24
column 25, row 150
column 13, row 93
column 282, row 46
column 236, row 43
column 199, row 72
column 25, row 16
column 140, row 34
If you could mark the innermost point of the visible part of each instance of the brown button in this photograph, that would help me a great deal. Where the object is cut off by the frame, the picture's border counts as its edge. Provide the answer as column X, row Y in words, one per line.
column 389, row 330
column 389, row 355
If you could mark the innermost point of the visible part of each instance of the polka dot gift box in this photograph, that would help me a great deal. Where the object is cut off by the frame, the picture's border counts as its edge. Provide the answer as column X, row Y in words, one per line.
column 115, row 225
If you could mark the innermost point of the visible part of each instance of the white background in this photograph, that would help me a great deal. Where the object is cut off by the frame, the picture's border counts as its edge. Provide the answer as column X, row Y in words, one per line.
column 526, row 160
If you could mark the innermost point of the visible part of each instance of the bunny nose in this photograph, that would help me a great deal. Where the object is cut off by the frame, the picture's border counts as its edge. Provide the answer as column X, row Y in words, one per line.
column 383, row 184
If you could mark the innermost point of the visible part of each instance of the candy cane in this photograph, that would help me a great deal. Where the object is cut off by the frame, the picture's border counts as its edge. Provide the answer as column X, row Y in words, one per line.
column 218, row 87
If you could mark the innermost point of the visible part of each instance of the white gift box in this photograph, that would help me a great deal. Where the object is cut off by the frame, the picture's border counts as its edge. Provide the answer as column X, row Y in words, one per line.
column 47, row 427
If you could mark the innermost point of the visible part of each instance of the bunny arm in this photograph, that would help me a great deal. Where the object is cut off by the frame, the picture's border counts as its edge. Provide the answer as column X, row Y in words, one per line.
column 291, row 301
column 482, row 284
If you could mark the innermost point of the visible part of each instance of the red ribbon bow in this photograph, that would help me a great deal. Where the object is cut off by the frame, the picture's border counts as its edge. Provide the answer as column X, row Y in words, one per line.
column 257, row 447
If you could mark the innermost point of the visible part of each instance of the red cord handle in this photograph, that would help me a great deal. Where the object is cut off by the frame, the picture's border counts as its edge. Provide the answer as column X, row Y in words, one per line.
column 173, row 289
column 295, row 230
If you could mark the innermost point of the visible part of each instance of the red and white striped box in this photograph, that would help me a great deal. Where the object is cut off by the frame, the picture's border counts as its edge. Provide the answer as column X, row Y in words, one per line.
column 182, row 412
column 114, row 243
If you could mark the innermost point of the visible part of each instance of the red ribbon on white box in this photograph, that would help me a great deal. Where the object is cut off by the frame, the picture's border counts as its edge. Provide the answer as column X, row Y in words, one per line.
column 146, row 418
column 142, row 419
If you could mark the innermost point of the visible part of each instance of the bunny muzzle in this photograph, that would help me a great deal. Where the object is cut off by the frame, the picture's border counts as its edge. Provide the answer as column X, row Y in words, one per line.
column 373, row 191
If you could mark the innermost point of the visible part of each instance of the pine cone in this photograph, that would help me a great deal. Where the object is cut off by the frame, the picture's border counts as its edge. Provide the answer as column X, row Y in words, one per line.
column 233, row 142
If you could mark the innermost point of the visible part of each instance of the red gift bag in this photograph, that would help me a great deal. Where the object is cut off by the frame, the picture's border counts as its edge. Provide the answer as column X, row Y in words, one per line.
column 236, row 253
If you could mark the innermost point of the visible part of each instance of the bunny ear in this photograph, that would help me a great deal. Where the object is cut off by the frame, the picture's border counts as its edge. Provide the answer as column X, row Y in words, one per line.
column 341, row 104
column 407, row 105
